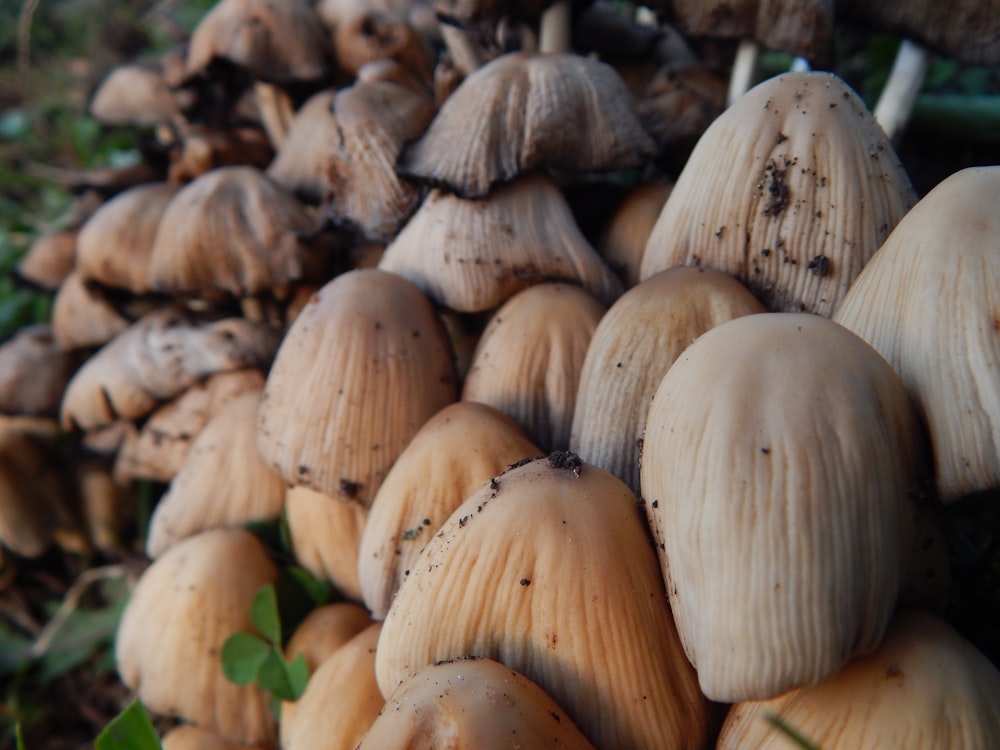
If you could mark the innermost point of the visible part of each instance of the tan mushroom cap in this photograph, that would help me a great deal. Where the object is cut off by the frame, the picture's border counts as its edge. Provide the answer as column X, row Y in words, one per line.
column 373, row 122
column 452, row 455
column 34, row 372
column 549, row 571
column 155, row 359
column 472, row 703
column 157, row 450
column 236, row 230
column 791, row 190
column 632, row 348
column 368, row 34
column 363, row 366
column 114, row 246
column 222, row 482
column 623, row 240
column 472, row 256
column 778, row 463
column 49, row 259
column 928, row 303
column 511, row 115
column 193, row 737
column 326, row 629
column 529, row 359
column 82, row 318
column 182, row 610
column 277, row 42
column 300, row 166
column 925, row 687
column 341, row 699
column 136, row 94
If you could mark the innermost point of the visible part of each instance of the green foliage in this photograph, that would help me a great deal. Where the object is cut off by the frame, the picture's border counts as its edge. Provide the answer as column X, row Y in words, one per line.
column 132, row 729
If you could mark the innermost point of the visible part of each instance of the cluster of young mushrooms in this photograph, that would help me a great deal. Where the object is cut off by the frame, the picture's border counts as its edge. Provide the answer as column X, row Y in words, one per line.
column 581, row 490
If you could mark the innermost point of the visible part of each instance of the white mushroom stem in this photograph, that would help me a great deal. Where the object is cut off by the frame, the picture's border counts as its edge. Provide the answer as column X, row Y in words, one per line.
column 464, row 53
column 554, row 31
column 892, row 111
column 276, row 111
column 741, row 77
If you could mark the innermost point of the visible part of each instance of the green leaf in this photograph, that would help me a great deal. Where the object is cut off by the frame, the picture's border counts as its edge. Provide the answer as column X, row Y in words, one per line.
column 19, row 737
column 242, row 657
column 132, row 729
column 284, row 680
column 264, row 614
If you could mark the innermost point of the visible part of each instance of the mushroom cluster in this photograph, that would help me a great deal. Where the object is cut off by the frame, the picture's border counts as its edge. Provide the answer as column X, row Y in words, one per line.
column 577, row 475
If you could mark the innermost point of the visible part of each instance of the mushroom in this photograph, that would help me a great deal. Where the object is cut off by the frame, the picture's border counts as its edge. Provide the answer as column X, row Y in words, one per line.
column 791, row 190
column 183, row 608
column 454, row 453
column 363, row 366
column 624, row 238
column 927, row 301
column 528, row 362
column 34, row 372
column 299, row 166
column 82, row 317
column 548, row 570
column 510, row 116
column 323, row 631
column 473, row 255
column 49, row 259
column 471, row 703
column 632, row 348
column 778, row 463
column 194, row 737
column 924, row 687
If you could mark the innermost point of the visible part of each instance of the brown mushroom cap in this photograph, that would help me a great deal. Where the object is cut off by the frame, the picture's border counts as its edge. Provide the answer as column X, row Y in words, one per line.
column 300, row 166
column 49, row 259
column 778, row 463
column 548, row 570
column 624, row 239
column 136, row 94
column 472, row 703
column 510, row 116
column 34, row 372
column 791, row 190
column 925, row 687
column 82, row 318
column 928, row 303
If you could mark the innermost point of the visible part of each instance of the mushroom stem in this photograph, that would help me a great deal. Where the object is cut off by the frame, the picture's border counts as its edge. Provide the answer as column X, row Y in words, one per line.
column 463, row 51
column 276, row 111
column 741, row 76
column 554, row 31
column 892, row 111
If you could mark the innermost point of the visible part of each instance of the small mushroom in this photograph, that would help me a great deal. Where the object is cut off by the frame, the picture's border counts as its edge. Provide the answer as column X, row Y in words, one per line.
column 34, row 372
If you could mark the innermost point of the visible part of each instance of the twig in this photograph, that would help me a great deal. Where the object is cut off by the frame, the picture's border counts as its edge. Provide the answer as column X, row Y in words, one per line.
column 24, row 21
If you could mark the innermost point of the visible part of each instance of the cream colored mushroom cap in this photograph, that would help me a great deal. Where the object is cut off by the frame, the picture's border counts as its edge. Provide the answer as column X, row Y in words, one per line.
column 779, row 456
column 182, row 610
column 928, row 302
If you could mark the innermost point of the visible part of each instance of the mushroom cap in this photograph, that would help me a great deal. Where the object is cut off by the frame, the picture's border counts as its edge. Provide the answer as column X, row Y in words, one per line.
column 236, row 230
column 473, row 255
column 471, row 703
column 300, row 164
column 928, row 303
column 341, row 699
column 49, row 259
column 183, row 608
column 633, row 346
column 135, row 94
column 279, row 43
column 925, row 687
column 528, row 361
column 326, row 629
column 82, row 318
column 222, row 482
column 510, row 116
column 194, row 737
column 548, row 570
column 34, row 372
column 778, row 462
column 791, row 190
column 363, row 366
column 453, row 454
column 114, row 246
column 369, row 34
column 624, row 239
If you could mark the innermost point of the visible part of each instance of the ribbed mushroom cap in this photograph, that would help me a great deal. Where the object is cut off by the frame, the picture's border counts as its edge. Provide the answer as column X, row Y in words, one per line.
column 341, row 700
column 82, row 318
column 928, row 303
column 472, row 256
column 374, row 120
column 511, row 116
column 135, row 94
column 300, row 166
column 34, row 372
column 791, row 190
column 624, row 239
column 114, row 246
column 222, row 482
column 157, row 450
column 925, row 687
column 182, row 610
column 631, row 350
column 528, row 361
column 363, row 366
column 779, row 455
column 549, row 571
column 452, row 455
column 326, row 629
column 325, row 533
column 471, row 703
column 277, row 42
column 49, row 259
column 236, row 230
column 155, row 359
column 193, row 737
